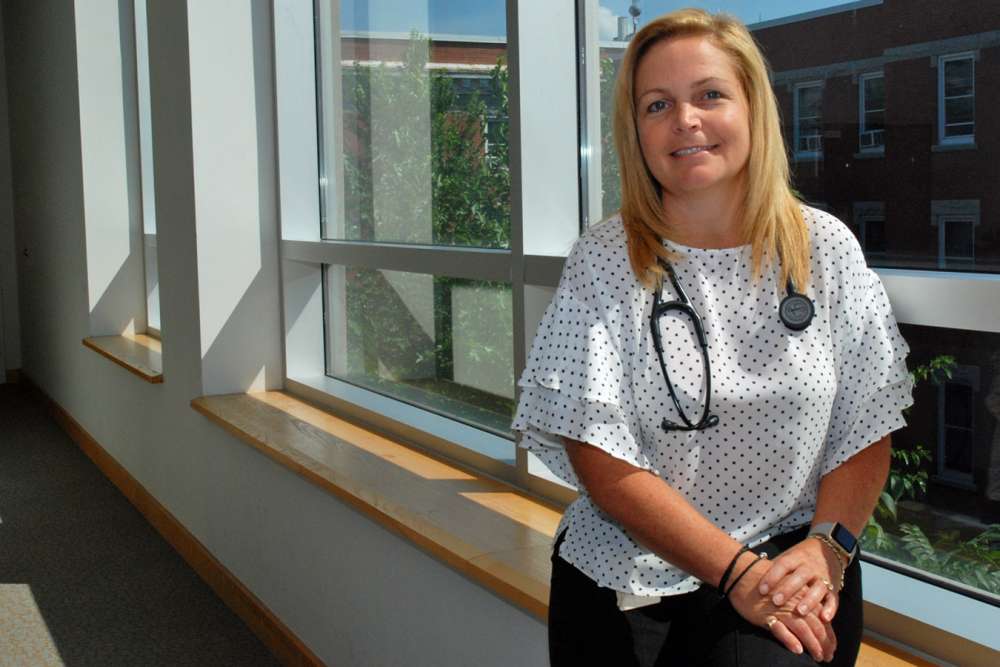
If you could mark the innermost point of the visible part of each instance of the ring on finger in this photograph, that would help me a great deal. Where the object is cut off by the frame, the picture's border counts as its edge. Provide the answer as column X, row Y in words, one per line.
column 829, row 586
column 770, row 620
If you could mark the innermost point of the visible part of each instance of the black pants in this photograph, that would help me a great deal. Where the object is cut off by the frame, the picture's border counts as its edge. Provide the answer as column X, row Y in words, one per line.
column 587, row 628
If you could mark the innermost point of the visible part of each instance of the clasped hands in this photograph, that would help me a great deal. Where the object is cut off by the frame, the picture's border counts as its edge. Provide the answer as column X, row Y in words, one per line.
column 799, row 591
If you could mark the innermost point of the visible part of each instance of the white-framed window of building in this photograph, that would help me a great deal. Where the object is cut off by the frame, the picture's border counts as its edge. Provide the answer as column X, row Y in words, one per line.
column 869, row 227
column 956, row 98
column 956, row 221
column 807, row 120
column 956, row 241
column 956, row 437
column 871, row 112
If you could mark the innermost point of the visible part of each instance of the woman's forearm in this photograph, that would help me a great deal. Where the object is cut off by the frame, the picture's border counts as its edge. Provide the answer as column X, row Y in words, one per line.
column 654, row 514
column 849, row 492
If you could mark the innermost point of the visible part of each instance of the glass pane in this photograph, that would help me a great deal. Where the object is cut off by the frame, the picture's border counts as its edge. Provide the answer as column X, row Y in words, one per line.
column 960, row 130
column 875, row 120
column 929, row 523
column 926, row 520
column 875, row 93
column 146, row 168
column 957, row 404
column 415, row 149
column 958, row 77
column 910, row 179
column 959, row 239
column 958, row 450
column 440, row 343
column 960, row 110
column 809, row 102
column 875, row 236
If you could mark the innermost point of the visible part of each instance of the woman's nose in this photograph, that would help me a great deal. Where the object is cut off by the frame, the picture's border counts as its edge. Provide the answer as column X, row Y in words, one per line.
column 687, row 118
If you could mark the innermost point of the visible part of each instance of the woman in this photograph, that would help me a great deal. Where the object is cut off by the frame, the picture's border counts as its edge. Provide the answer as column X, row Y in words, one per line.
column 782, row 445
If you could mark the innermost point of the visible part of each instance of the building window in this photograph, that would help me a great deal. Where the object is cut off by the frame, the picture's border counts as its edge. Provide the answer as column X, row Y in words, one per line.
column 869, row 226
column 956, row 221
column 956, row 99
column 956, row 426
column 808, row 104
column 956, row 242
column 871, row 115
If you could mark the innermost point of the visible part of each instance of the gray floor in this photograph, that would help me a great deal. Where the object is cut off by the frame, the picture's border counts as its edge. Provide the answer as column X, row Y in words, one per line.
column 111, row 591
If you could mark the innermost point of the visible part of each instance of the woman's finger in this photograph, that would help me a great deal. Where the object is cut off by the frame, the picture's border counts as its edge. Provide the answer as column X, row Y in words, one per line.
column 804, row 632
column 813, row 598
column 830, row 605
column 789, row 585
column 786, row 637
column 825, row 635
column 779, row 568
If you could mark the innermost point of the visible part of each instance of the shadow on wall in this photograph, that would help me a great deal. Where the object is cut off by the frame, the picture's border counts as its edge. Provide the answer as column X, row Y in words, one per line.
column 120, row 309
column 226, row 365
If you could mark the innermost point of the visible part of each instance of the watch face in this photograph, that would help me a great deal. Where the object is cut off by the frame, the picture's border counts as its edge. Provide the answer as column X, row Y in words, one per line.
column 844, row 538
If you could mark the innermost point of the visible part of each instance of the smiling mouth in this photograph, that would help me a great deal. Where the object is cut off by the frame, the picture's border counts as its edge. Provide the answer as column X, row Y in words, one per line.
column 692, row 150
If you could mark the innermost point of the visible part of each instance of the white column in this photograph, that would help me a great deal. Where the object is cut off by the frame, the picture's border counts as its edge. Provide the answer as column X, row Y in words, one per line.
column 109, row 151
column 235, row 190
column 549, row 149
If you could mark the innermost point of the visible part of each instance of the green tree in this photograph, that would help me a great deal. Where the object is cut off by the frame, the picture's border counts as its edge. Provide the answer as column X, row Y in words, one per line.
column 415, row 149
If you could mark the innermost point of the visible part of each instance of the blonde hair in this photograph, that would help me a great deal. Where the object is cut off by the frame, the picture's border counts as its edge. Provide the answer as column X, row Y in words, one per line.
column 772, row 222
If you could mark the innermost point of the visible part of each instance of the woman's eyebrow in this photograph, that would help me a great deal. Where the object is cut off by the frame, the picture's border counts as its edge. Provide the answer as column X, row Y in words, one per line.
column 694, row 84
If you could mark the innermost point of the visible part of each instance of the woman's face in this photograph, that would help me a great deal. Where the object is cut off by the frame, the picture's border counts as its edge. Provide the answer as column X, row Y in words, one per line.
column 693, row 118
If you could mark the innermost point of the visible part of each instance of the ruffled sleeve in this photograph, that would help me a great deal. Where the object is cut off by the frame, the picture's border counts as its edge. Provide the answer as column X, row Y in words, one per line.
column 873, row 383
column 575, row 384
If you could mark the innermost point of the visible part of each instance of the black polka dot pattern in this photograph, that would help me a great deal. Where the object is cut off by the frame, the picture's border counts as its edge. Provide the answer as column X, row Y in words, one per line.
column 792, row 406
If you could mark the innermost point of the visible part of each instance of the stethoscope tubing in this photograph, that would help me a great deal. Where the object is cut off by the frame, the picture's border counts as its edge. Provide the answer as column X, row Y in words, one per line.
column 795, row 311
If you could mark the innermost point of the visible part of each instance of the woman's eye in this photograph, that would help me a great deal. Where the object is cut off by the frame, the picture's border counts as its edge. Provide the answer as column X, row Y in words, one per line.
column 658, row 105
column 713, row 95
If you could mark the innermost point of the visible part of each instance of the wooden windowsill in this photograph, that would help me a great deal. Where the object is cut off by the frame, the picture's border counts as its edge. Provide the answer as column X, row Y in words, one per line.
column 492, row 532
column 138, row 354
column 488, row 530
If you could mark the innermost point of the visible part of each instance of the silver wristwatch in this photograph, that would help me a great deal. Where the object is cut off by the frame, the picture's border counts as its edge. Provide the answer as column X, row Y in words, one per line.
column 839, row 538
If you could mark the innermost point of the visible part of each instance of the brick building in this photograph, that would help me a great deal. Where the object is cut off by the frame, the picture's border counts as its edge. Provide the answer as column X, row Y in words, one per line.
column 888, row 117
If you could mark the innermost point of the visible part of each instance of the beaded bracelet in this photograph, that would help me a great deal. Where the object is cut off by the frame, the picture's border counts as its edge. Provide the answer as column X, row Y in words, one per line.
column 761, row 556
column 729, row 570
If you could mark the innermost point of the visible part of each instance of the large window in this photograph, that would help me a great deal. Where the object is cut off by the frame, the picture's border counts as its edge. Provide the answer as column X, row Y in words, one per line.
column 459, row 157
column 956, row 99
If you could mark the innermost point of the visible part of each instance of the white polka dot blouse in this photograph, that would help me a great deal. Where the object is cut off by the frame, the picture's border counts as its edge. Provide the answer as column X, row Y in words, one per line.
column 792, row 406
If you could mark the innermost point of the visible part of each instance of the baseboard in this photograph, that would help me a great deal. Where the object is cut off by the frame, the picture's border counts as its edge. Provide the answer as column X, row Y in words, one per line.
column 281, row 641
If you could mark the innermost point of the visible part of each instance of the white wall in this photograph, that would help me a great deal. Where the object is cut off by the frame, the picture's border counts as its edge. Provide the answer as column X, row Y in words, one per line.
column 353, row 592
column 10, row 346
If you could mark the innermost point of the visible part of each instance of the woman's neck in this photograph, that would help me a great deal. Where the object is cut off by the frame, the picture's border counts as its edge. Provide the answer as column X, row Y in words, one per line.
column 708, row 221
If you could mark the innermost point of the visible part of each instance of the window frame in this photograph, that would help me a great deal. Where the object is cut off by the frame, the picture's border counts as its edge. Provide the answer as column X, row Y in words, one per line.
column 816, row 154
column 863, row 111
column 943, row 224
column 942, row 62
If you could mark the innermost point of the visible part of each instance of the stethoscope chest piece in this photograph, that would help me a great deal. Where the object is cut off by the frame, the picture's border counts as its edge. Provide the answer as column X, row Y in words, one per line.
column 796, row 310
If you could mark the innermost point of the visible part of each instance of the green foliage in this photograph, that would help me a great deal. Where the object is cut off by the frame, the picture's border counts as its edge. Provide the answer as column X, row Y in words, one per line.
column 611, row 187
column 415, row 152
column 417, row 170
column 975, row 561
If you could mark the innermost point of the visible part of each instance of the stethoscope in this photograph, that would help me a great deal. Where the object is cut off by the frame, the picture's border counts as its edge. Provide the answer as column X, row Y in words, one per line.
column 796, row 312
